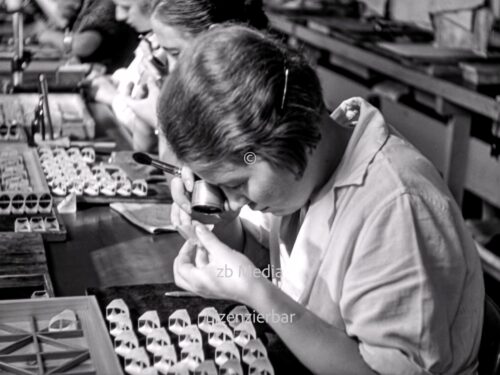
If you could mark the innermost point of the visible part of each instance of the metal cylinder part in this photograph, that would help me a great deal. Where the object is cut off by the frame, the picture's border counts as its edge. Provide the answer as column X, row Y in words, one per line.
column 207, row 198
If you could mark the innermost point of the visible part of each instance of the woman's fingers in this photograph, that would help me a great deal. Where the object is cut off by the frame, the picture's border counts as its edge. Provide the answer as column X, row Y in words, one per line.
column 187, row 178
column 185, row 218
column 210, row 241
column 179, row 279
column 174, row 215
column 201, row 258
column 179, row 195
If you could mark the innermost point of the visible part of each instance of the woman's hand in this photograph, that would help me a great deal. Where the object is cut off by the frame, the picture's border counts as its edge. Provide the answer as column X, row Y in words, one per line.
column 142, row 101
column 181, row 189
column 211, row 269
column 182, row 213
column 103, row 90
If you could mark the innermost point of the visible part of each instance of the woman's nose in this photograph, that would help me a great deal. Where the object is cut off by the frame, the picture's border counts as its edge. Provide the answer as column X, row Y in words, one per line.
column 120, row 14
column 172, row 62
column 235, row 201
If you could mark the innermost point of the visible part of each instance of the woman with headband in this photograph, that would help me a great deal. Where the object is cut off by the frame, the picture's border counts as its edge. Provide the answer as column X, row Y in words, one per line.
column 176, row 23
column 130, row 82
column 373, row 265
column 85, row 29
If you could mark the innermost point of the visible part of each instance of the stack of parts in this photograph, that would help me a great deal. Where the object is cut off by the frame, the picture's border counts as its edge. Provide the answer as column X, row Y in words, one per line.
column 180, row 348
column 20, row 205
column 74, row 170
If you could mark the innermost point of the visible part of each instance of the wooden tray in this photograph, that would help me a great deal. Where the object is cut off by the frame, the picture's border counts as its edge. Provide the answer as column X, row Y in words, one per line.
column 158, row 189
column 38, row 185
column 27, row 347
column 23, row 265
column 70, row 116
column 141, row 298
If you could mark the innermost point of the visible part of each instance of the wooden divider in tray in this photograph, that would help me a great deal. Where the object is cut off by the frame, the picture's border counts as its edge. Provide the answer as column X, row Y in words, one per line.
column 28, row 346
column 38, row 186
column 121, row 163
column 23, row 266
column 69, row 113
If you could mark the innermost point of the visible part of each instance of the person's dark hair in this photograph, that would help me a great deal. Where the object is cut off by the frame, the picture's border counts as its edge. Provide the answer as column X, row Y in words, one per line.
column 148, row 6
column 196, row 16
column 225, row 99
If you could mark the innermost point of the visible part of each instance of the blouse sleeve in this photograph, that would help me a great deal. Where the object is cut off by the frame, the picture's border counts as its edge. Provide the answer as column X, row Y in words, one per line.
column 413, row 266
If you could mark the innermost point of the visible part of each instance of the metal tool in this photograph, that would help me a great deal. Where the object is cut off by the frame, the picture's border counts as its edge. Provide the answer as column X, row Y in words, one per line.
column 206, row 198
column 44, row 92
column 180, row 293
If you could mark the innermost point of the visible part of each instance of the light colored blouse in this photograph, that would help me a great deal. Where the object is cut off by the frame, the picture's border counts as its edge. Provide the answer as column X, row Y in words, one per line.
column 382, row 252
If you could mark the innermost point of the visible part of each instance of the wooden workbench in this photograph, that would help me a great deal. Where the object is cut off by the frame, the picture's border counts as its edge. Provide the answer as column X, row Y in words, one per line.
column 103, row 249
column 439, row 115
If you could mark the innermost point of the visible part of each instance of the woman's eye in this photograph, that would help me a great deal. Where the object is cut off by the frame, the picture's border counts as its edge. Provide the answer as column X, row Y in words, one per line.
column 235, row 186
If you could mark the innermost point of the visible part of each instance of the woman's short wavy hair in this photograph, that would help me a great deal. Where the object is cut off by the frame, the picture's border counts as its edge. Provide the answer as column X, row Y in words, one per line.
column 148, row 6
column 193, row 17
column 228, row 97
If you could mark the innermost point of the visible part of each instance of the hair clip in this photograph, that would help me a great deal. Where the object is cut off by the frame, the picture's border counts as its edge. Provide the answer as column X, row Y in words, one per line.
column 261, row 366
column 45, row 203
column 189, row 335
column 98, row 171
column 254, row 350
column 125, row 342
column 207, row 318
column 88, row 155
column 22, row 224
column 51, row 224
column 9, row 154
column 180, row 368
column 231, row 367
column 108, row 187
column 157, row 340
column 140, row 187
column 76, row 186
column 119, row 176
column 38, row 294
column 148, row 321
column 220, row 333
column 59, row 152
column 31, row 204
column 74, row 152
column 91, row 188
column 59, row 187
column 5, row 204
column 244, row 332
column 124, row 188
column 226, row 351
column 192, row 355
column 165, row 359
column 137, row 361
column 116, row 307
column 285, row 87
column 120, row 324
column 178, row 321
column 17, row 204
column 37, row 224
column 238, row 315
column 10, row 131
column 14, row 165
column 64, row 321
column 206, row 368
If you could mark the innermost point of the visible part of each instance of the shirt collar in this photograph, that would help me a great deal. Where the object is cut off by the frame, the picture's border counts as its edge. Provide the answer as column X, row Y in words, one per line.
column 369, row 135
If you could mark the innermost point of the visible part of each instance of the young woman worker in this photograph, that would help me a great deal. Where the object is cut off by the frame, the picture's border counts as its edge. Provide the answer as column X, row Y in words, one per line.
column 176, row 23
column 376, row 268
column 118, row 89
